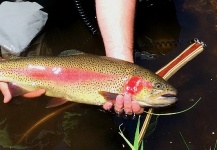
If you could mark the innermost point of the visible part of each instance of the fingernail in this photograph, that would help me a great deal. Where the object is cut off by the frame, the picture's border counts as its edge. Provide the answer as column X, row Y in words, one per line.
column 134, row 116
column 129, row 113
column 119, row 111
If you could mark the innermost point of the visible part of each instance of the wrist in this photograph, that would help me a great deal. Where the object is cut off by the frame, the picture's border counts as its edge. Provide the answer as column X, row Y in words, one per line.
column 124, row 54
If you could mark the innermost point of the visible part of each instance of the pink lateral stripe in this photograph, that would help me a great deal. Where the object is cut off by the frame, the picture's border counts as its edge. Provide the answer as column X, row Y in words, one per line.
column 59, row 74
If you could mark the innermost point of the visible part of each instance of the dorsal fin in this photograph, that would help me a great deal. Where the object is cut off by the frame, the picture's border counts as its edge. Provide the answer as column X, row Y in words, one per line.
column 71, row 52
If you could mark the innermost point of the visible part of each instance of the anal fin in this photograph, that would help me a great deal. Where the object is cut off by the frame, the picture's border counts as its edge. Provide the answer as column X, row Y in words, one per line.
column 54, row 102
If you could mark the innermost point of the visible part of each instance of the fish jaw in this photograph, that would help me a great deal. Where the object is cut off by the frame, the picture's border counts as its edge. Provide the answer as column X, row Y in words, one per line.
column 159, row 99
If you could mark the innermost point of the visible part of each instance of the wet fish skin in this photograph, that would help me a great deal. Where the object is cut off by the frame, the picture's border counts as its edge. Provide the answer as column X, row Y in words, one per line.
column 88, row 79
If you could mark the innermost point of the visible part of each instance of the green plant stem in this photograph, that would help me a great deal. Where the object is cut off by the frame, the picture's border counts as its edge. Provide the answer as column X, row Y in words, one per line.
column 126, row 140
column 174, row 113
column 215, row 145
column 184, row 141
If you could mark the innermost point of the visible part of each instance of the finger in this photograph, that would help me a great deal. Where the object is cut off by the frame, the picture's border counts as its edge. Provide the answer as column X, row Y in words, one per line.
column 5, row 91
column 128, row 104
column 119, row 104
column 35, row 93
column 136, row 108
column 108, row 105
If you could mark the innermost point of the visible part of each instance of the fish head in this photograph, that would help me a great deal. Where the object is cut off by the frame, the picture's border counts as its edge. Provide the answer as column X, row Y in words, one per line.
column 151, row 92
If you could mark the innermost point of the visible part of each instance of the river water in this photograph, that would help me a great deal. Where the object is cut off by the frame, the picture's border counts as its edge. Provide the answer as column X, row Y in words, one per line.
column 27, row 124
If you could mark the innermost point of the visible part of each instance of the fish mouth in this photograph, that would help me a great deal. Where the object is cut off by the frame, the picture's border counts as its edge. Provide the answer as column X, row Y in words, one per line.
column 161, row 101
column 170, row 96
column 144, row 104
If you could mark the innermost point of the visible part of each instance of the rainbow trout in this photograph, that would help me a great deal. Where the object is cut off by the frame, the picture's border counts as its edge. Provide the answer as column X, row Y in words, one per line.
column 87, row 79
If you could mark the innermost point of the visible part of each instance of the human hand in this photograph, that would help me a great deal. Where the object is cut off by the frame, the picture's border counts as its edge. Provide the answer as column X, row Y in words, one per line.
column 124, row 103
column 8, row 96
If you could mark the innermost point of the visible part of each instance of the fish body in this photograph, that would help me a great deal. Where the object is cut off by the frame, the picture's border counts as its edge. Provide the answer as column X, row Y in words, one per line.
column 87, row 79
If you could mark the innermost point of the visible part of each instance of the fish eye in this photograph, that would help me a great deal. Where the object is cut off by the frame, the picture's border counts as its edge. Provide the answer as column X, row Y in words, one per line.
column 158, row 85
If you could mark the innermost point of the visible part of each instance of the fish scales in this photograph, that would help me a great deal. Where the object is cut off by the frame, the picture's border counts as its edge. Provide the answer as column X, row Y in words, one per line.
column 79, row 78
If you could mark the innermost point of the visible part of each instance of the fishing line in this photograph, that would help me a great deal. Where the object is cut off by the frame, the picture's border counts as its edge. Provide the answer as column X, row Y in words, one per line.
column 174, row 113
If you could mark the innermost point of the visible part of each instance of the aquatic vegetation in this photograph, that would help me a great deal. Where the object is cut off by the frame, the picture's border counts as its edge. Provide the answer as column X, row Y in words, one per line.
column 43, row 120
column 68, row 124
column 215, row 146
column 135, row 145
column 147, row 126
column 188, row 147
column 5, row 140
column 167, row 71
column 184, row 141
column 170, row 69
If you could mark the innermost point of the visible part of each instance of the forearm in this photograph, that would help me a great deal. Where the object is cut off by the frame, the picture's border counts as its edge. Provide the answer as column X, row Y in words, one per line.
column 116, row 21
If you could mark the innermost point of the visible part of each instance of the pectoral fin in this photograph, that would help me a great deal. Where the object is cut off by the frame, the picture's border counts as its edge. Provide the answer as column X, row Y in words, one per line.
column 54, row 102
column 16, row 90
column 108, row 95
